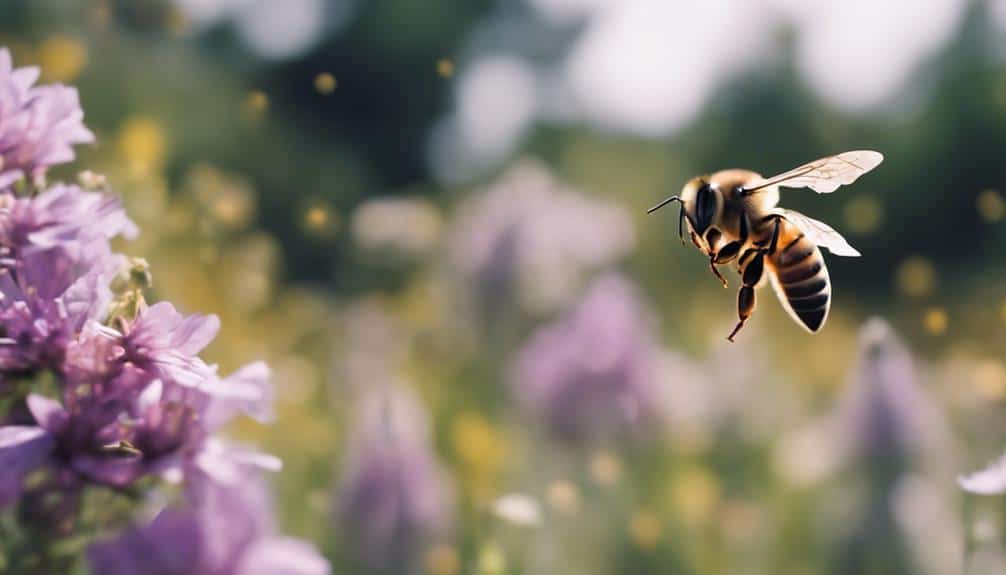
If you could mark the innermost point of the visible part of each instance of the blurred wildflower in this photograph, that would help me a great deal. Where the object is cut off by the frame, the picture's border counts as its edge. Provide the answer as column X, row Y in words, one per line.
column 482, row 449
column 694, row 494
column 988, row 481
column 518, row 509
column 935, row 320
column 404, row 226
column 915, row 277
column 564, row 496
column 223, row 529
column 324, row 83
column 863, row 214
column 143, row 144
column 39, row 125
column 442, row 560
column 228, row 199
column 530, row 239
column 393, row 495
column 990, row 378
column 62, row 58
column 445, row 68
column 593, row 373
column 645, row 529
column 256, row 104
column 320, row 219
column 605, row 468
column 991, row 206
column 886, row 415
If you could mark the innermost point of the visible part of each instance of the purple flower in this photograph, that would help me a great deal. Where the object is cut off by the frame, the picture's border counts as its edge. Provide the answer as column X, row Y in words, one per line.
column 887, row 414
column 223, row 529
column 533, row 239
column 115, row 430
column 45, row 300
column 165, row 343
column 393, row 495
column 595, row 371
column 61, row 216
column 39, row 125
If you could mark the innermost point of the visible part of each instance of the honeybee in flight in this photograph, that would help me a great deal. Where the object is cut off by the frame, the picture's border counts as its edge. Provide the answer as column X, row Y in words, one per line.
column 733, row 215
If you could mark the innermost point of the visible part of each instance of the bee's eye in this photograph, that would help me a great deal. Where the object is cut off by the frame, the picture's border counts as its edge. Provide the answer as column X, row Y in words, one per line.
column 705, row 208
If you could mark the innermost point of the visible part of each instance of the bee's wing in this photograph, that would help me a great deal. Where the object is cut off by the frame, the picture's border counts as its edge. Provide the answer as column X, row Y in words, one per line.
column 827, row 174
column 820, row 233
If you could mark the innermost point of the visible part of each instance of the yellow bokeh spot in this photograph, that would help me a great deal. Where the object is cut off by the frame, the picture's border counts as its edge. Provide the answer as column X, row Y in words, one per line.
column 564, row 496
column 694, row 494
column 445, row 68
column 62, row 58
column 645, row 529
column 990, row 378
column 177, row 22
column 442, row 559
column 143, row 144
column 863, row 214
column 481, row 449
column 605, row 468
column 935, row 320
column 256, row 103
column 991, row 206
column 325, row 83
column 915, row 277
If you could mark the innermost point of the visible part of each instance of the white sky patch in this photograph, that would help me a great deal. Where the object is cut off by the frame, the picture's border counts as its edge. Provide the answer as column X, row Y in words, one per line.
column 857, row 54
column 497, row 100
column 648, row 66
column 282, row 29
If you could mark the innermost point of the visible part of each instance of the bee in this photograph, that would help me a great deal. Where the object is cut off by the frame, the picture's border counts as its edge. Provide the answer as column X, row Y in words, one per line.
column 733, row 215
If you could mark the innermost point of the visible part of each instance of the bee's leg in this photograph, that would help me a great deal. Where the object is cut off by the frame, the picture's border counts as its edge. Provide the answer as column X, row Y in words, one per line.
column 774, row 242
column 751, row 274
column 745, row 307
column 716, row 272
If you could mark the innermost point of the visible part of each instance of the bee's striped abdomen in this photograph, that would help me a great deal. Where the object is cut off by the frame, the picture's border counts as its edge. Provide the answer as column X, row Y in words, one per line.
column 800, row 277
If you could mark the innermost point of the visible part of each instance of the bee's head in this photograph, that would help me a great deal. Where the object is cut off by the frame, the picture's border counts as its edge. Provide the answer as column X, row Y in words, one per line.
column 701, row 205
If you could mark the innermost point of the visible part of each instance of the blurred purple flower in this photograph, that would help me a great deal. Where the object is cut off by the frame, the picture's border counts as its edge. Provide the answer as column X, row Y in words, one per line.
column 39, row 125
column 223, row 529
column 594, row 372
column 393, row 495
column 887, row 414
column 531, row 238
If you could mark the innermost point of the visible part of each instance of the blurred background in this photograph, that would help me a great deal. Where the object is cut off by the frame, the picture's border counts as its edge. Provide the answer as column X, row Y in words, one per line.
column 429, row 218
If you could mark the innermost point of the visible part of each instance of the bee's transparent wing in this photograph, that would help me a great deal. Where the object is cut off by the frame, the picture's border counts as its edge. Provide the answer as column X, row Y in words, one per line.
column 820, row 233
column 827, row 174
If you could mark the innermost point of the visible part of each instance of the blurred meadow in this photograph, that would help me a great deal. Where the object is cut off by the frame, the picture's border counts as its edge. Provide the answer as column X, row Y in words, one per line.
column 429, row 219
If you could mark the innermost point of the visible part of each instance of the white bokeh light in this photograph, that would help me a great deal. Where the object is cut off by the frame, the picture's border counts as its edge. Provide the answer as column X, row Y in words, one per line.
column 858, row 54
column 282, row 29
column 648, row 66
column 497, row 100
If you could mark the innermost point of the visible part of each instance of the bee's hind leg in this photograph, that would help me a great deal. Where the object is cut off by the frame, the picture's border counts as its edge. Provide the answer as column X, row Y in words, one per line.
column 745, row 307
column 751, row 274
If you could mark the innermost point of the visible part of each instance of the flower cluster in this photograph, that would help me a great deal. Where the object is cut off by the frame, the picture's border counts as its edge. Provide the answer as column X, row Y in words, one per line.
column 595, row 372
column 100, row 391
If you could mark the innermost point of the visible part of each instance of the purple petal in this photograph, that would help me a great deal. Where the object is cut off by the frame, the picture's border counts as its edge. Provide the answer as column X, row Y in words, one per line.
column 283, row 556
column 195, row 332
column 22, row 450
column 48, row 413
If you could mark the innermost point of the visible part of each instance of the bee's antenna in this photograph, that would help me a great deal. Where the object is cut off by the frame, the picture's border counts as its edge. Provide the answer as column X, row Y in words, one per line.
column 663, row 203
